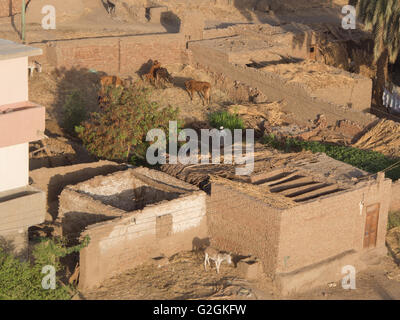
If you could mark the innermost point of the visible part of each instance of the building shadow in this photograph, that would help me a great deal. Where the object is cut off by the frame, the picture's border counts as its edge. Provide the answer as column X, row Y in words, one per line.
column 7, row 246
column 84, row 81
column 170, row 21
column 145, row 68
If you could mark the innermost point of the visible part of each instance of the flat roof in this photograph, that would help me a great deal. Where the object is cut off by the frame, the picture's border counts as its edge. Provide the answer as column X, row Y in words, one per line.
column 11, row 50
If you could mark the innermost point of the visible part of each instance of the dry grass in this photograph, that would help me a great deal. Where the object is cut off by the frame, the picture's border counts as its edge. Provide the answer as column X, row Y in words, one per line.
column 313, row 75
column 383, row 138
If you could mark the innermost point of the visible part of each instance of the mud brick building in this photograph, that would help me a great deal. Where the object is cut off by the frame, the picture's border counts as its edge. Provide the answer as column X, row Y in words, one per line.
column 305, row 220
column 131, row 217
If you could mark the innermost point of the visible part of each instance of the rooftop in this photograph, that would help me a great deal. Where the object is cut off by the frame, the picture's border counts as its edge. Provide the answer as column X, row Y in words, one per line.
column 281, row 179
column 11, row 50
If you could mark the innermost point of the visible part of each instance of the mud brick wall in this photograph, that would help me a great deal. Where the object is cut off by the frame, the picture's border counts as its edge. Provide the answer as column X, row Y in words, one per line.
column 157, row 230
column 117, row 55
column 135, row 51
column 77, row 211
column 10, row 7
column 275, row 88
column 395, row 204
column 53, row 180
column 243, row 225
column 318, row 230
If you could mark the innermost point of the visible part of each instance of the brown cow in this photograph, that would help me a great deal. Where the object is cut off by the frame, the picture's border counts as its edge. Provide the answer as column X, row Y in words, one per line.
column 150, row 76
column 162, row 74
column 108, row 81
column 202, row 88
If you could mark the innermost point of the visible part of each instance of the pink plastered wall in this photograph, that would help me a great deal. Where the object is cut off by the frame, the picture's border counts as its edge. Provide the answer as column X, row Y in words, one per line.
column 13, row 80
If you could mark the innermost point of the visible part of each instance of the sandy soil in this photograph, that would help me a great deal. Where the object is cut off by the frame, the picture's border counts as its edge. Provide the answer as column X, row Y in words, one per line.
column 184, row 277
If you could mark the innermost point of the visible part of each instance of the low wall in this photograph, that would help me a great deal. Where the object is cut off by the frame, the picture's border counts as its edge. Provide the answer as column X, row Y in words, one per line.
column 20, row 209
column 276, row 88
column 395, row 204
column 53, row 180
column 118, row 55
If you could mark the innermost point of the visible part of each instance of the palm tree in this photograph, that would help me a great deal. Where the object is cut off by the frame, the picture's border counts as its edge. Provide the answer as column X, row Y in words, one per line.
column 382, row 18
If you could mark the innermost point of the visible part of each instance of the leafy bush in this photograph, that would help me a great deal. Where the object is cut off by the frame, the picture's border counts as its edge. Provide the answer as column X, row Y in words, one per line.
column 225, row 119
column 369, row 161
column 393, row 220
column 119, row 131
column 23, row 280
column 74, row 111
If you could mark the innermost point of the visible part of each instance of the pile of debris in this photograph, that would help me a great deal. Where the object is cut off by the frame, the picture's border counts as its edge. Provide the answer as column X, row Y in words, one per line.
column 343, row 132
column 384, row 137
column 265, row 159
column 262, row 115
column 270, row 119
column 56, row 151
column 311, row 74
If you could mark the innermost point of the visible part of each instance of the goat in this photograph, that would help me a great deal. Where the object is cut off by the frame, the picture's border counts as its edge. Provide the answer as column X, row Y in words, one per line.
column 32, row 66
column 217, row 256
column 202, row 88
column 162, row 74
column 150, row 76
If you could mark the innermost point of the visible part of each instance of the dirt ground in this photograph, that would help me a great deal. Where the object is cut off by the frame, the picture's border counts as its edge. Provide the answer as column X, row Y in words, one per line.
column 184, row 277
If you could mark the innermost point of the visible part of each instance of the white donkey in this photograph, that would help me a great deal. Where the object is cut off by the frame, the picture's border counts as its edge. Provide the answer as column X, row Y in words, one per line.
column 217, row 256
column 34, row 66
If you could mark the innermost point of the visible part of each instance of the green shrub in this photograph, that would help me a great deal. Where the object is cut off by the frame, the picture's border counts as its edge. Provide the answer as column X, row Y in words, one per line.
column 74, row 112
column 369, row 161
column 393, row 220
column 119, row 132
column 23, row 280
column 225, row 119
